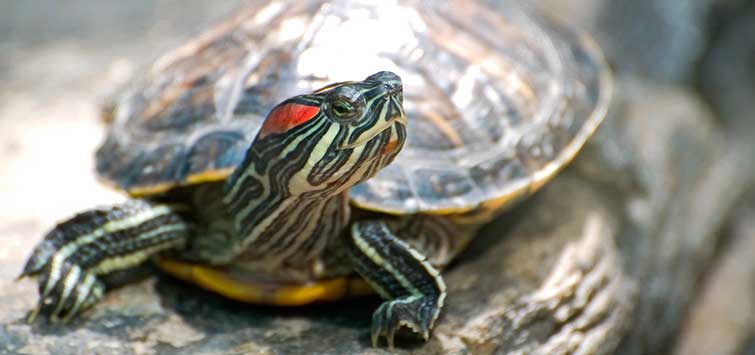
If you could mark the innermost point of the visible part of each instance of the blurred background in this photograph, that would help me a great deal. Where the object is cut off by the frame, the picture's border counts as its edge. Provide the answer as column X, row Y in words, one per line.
column 693, row 58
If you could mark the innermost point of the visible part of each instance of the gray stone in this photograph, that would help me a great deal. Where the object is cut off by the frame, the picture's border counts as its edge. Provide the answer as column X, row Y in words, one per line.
column 723, row 318
column 658, row 39
column 727, row 75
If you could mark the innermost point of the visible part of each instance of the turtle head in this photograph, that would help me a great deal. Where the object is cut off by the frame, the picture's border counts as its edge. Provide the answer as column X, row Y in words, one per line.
column 359, row 110
column 364, row 109
column 329, row 140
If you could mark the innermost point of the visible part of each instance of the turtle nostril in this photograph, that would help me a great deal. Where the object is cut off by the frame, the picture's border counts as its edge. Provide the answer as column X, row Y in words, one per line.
column 391, row 81
column 398, row 93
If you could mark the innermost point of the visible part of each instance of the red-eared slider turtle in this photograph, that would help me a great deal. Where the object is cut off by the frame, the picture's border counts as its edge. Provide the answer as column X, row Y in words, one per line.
column 248, row 180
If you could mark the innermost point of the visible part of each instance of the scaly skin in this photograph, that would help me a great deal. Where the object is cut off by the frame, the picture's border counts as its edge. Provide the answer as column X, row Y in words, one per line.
column 285, row 203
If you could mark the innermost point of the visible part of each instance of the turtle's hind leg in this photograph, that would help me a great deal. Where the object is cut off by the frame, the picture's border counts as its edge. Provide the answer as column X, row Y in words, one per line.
column 77, row 252
column 413, row 288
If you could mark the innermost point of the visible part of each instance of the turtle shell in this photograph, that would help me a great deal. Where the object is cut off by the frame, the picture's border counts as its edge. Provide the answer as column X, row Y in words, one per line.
column 497, row 100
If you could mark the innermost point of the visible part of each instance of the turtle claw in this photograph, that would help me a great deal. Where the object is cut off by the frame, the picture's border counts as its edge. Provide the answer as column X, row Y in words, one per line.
column 64, row 297
column 416, row 313
column 413, row 288
column 72, row 257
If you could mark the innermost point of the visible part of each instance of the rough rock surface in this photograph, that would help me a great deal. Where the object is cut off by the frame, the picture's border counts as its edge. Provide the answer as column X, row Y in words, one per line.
column 605, row 259
column 557, row 277
column 723, row 318
column 658, row 39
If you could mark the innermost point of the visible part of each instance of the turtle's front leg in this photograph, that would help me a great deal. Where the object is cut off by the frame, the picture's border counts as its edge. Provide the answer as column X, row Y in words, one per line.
column 73, row 256
column 413, row 289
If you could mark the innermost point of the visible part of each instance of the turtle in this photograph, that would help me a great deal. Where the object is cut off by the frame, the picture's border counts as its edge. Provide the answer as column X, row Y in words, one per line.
column 310, row 151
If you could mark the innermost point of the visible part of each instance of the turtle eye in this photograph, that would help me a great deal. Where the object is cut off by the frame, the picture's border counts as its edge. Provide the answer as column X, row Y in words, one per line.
column 343, row 110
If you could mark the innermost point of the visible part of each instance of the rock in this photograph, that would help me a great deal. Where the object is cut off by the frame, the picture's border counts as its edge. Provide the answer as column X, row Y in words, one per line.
column 604, row 259
column 557, row 274
column 658, row 39
column 666, row 237
column 727, row 74
column 723, row 318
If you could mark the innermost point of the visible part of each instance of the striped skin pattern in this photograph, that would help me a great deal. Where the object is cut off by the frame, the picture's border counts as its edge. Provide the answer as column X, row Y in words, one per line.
column 94, row 243
column 413, row 288
column 288, row 198
column 435, row 236
column 287, row 203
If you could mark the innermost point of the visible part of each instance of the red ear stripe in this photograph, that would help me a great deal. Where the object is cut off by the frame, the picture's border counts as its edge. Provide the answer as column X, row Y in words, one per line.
column 287, row 116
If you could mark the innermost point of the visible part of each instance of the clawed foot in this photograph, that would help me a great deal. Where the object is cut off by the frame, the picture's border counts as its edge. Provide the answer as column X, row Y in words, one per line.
column 65, row 290
column 417, row 313
column 413, row 288
column 97, row 243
